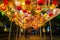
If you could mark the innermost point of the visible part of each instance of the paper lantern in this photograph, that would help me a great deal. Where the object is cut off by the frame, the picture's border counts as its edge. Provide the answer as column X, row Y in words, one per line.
column 2, row 13
column 19, row 7
column 17, row 3
column 27, row 2
column 55, row 2
column 41, row 19
column 14, row 16
column 24, row 11
column 5, row 2
column 3, row 8
column 40, row 2
column 45, row 9
column 52, row 6
column 39, row 8
column 45, row 15
column 50, row 14
column 21, row 13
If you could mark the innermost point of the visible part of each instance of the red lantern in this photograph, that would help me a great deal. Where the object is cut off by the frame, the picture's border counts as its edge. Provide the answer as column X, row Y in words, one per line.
column 24, row 11
column 40, row 2
column 5, row 2
column 19, row 7
column 27, row 2
column 50, row 14
column 55, row 2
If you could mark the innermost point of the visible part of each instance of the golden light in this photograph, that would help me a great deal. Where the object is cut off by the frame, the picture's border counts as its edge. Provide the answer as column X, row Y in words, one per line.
column 23, row 3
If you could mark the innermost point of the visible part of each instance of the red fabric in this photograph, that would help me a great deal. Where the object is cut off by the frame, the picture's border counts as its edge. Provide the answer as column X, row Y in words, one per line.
column 27, row 2
column 5, row 2
column 40, row 1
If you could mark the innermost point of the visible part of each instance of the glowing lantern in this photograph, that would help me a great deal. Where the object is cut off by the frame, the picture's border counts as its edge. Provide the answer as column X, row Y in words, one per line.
column 39, row 8
column 17, row 3
column 5, row 2
column 2, row 13
column 41, row 19
column 45, row 15
column 40, row 2
column 3, row 7
column 52, row 6
column 24, row 11
column 35, row 27
column 27, row 2
column 19, row 7
column 14, row 16
column 50, row 14
column 55, row 2
column 21, row 13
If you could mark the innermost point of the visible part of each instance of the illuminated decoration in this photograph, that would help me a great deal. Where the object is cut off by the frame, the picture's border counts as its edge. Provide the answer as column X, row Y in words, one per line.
column 39, row 8
column 28, row 13
column 54, row 11
column 17, row 3
column 5, row 2
column 27, row 2
column 19, row 7
column 23, row 3
column 55, row 2
column 24, row 11
column 52, row 6
column 3, row 8
column 43, row 29
column 50, row 14
column 45, row 15
column 21, row 13
column 48, row 28
column 2, row 13
column 40, row 2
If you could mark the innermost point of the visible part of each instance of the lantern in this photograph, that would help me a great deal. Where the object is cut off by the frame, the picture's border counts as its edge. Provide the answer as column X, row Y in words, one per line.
column 17, row 3
column 3, row 8
column 14, row 16
column 27, row 2
column 5, row 2
column 24, row 11
column 40, row 2
column 55, row 2
column 19, row 7
column 2, row 13
column 50, row 14
column 52, row 6
column 39, row 8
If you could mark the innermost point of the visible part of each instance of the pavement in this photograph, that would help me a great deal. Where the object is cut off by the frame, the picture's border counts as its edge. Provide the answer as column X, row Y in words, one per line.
column 29, row 37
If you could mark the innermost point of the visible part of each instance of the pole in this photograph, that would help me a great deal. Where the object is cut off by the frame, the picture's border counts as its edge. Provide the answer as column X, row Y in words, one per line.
column 20, row 32
column 10, row 30
column 17, row 33
column 40, row 32
column 50, row 30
